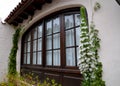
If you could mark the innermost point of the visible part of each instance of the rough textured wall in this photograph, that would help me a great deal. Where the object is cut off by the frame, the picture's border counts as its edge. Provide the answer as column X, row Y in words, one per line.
column 6, row 33
column 107, row 21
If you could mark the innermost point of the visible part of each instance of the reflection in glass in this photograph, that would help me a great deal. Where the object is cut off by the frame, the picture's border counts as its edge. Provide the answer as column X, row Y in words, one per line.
column 56, row 41
column 40, row 44
column 68, row 21
column 28, row 37
column 34, row 58
column 70, row 57
column 70, row 38
column 40, row 31
column 56, row 57
column 56, row 25
column 35, row 33
column 78, row 54
column 77, row 19
column 49, row 42
column 28, row 46
column 28, row 58
column 24, row 47
column 49, row 28
column 78, row 36
column 24, row 58
column 39, row 59
column 34, row 45
column 49, row 58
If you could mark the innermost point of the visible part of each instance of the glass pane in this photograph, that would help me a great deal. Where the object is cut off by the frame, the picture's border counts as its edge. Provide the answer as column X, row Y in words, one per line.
column 24, row 58
column 28, row 46
column 56, row 41
column 78, row 54
column 70, row 57
column 49, row 42
column 39, row 60
column 49, row 58
column 69, row 21
column 56, row 25
column 29, row 37
column 70, row 38
column 34, row 58
column 35, row 33
column 28, row 58
column 77, row 19
column 40, row 31
column 34, row 45
column 24, row 47
column 49, row 28
column 56, row 57
column 78, row 36
column 40, row 44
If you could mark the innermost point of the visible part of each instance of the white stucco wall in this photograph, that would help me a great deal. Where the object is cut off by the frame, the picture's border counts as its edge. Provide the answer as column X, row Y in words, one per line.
column 107, row 21
column 6, row 33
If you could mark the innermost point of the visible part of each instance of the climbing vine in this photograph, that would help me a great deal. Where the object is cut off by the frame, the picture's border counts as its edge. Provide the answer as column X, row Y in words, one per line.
column 89, row 65
column 12, row 56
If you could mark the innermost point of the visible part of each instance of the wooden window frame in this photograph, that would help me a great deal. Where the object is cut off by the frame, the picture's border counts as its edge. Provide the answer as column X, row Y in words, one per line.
column 62, row 32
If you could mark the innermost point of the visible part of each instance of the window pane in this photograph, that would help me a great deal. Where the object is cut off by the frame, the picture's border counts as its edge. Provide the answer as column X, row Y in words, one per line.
column 69, row 21
column 40, row 44
column 35, row 33
column 49, row 28
column 56, row 25
column 28, row 58
column 39, row 60
column 78, row 54
column 70, row 38
column 24, row 58
column 56, row 57
column 24, row 47
column 49, row 58
column 49, row 42
column 78, row 36
column 77, row 19
column 29, row 37
column 40, row 31
column 28, row 46
column 70, row 57
column 56, row 41
column 34, row 58
column 34, row 45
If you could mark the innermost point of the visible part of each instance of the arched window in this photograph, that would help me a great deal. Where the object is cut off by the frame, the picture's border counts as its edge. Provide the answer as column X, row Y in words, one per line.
column 52, row 43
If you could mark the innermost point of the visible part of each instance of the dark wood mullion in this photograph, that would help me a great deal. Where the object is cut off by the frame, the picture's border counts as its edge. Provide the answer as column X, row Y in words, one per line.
column 37, row 47
column 62, row 41
column 71, row 46
column 75, row 40
column 25, row 53
column 52, row 33
column 44, row 44
column 71, row 28
column 52, row 42
column 31, row 47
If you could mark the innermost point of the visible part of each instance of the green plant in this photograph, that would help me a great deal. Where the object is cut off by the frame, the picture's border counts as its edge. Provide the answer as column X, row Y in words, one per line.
column 89, row 65
column 97, row 6
column 12, row 56
column 28, row 80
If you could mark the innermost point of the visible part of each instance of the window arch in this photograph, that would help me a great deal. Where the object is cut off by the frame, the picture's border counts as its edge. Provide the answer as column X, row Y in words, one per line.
column 52, row 46
column 53, row 40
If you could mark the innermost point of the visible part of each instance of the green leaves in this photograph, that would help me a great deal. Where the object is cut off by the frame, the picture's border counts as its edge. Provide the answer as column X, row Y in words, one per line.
column 12, row 56
column 89, row 64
